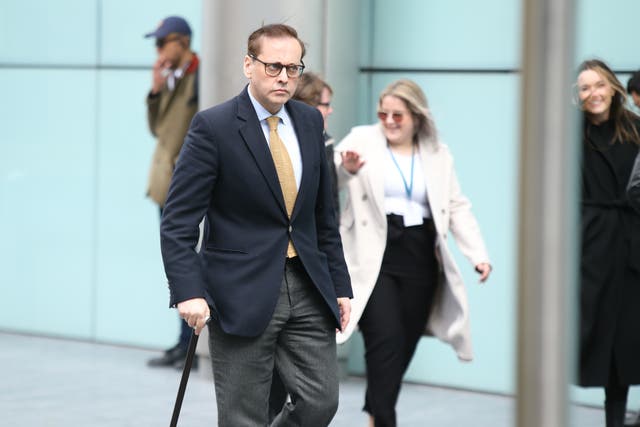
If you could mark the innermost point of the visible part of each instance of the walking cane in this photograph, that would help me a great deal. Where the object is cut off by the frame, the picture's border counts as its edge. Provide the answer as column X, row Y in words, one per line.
column 193, row 343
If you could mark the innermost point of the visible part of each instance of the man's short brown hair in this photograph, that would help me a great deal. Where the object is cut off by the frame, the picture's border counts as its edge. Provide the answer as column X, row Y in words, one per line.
column 273, row 31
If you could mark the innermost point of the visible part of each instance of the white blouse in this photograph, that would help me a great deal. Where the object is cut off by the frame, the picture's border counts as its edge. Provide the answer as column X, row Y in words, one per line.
column 403, row 195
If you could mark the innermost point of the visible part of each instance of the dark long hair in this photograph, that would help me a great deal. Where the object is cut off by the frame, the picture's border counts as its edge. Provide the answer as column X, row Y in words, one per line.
column 624, row 120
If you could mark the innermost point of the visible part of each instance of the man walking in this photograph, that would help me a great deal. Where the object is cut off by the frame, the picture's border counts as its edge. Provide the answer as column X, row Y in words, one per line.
column 271, row 272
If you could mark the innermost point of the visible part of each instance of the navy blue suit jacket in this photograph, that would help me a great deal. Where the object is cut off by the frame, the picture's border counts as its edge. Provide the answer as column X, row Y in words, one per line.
column 225, row 173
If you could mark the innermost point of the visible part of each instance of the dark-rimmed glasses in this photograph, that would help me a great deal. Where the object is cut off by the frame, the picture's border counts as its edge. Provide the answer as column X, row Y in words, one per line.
column 160, row 43
column 396, row 117
column 273, row 69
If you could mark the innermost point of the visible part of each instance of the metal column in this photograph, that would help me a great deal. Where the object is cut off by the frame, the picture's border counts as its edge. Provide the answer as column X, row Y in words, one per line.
column 547, row 249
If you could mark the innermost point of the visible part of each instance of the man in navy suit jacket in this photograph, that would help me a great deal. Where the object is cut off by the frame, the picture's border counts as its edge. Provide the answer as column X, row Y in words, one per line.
column 268, row 309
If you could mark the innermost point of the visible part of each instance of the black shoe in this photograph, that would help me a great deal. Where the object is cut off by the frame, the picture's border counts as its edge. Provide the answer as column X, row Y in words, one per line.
column 169, row 358
column 179, row 364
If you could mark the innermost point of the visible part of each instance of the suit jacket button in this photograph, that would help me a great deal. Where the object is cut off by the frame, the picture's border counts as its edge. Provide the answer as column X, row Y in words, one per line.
column 364, row 223
column 364, row 197
column 290, row 228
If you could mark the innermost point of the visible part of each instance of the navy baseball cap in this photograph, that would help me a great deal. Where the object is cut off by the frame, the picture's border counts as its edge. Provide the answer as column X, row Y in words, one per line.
column 171, row 24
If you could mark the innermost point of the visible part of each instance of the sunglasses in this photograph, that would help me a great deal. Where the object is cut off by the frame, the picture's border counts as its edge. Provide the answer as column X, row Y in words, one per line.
column 161, row 42
column 396, row 117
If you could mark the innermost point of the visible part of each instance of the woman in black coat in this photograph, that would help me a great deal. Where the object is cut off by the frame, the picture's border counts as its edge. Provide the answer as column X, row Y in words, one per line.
column 610, row 252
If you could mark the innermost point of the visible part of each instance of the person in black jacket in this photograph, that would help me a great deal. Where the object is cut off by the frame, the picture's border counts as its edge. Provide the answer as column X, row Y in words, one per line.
column 314, row 91
column 609, row 263
column 633, row 193
column 633, row 189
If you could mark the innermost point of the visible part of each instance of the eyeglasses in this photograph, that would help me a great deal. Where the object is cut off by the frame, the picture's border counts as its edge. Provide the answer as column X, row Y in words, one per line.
column 396, row 117
column 273, row 69
column 161, row 42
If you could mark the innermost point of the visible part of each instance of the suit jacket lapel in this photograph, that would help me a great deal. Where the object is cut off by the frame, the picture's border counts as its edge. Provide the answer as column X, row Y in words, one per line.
column 305, row 141
column 251, row 132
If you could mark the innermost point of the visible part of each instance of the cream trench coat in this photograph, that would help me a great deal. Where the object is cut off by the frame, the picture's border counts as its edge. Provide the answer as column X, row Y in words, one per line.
column 363, row 228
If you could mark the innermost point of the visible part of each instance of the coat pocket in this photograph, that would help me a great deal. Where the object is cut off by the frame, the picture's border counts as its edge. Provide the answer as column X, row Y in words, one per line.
column 213, row 248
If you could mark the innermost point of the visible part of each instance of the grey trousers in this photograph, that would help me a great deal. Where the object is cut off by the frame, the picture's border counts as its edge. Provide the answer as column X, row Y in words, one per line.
column 299, row 341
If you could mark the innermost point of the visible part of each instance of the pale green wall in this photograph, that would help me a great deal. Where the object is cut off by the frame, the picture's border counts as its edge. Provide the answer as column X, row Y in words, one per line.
column 79, row 245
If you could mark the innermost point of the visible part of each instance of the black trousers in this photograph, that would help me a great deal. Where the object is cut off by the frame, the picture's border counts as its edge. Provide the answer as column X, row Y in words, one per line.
column 615, row 392
column 396, row 314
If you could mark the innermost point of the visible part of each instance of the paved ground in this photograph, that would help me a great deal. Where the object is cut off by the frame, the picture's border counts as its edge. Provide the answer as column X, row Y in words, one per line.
column 60, row 383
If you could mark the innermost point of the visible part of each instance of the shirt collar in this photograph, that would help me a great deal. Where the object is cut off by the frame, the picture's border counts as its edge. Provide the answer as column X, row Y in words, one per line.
column 264, row 114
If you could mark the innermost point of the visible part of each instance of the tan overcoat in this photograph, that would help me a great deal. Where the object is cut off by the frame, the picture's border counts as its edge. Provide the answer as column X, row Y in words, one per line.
column 169, row 114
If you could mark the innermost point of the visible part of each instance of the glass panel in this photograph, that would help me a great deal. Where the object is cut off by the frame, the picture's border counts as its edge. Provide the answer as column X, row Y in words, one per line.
column 48, row 32
column 124, row 24
column 47, row 164
column 132, row 296
column 613, row 42
column 446, row 34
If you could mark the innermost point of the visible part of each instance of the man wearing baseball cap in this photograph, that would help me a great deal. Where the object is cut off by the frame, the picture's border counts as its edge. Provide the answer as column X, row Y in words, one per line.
column 171, row 104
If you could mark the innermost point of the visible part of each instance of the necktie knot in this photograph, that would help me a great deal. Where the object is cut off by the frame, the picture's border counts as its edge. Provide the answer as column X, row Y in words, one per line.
column 273, row 122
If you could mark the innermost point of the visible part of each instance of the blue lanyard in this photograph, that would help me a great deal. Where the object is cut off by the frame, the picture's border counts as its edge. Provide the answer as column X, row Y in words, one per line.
column 407, row 188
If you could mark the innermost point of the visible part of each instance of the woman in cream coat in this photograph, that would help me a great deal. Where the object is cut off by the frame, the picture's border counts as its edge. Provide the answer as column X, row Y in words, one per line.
column 403, row 200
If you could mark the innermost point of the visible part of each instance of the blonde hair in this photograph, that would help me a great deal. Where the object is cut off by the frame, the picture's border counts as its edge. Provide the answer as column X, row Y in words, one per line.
column 416, row 101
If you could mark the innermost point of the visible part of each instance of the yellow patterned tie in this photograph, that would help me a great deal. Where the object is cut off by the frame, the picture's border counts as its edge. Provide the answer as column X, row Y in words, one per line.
column 284, row 168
